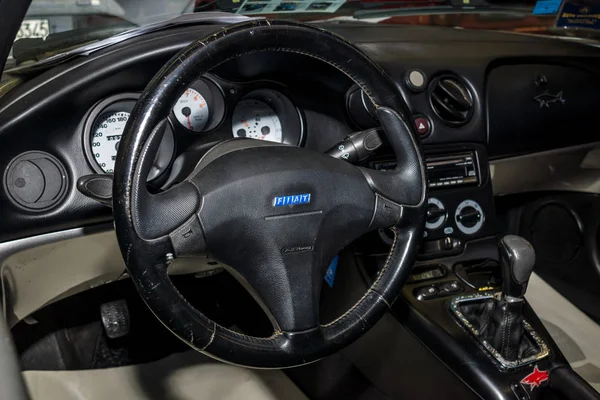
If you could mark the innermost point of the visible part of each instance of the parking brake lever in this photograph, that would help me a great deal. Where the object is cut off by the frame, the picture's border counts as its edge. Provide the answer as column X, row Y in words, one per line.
column 357, row 146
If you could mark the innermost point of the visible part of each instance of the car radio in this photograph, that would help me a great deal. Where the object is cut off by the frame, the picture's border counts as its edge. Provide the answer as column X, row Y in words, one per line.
column 445, row 170
column 456, row 169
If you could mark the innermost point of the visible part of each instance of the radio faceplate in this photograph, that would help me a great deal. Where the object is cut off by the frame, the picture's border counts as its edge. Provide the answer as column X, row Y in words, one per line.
column 451, row 170
column 446, row 170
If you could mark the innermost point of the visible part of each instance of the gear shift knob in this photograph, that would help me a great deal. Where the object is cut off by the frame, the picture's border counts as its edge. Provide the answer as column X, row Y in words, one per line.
column 517, row 259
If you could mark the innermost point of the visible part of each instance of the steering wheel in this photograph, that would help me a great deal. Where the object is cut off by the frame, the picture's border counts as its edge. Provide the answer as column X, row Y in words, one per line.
column 275, row 214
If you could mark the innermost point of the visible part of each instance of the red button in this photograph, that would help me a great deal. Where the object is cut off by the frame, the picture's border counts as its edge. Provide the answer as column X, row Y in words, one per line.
column 422, row 125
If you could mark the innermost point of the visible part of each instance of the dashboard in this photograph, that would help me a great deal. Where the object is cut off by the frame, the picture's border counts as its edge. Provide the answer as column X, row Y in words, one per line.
column 495, row 111
column 475, row 97
column 256, row 110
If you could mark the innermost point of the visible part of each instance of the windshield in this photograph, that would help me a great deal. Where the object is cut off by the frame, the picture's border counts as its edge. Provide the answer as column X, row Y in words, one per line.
column 56, row 26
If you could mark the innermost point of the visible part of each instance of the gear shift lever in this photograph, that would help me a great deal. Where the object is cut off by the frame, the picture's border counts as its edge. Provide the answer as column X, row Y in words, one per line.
column 499, row 321
column 517, row 259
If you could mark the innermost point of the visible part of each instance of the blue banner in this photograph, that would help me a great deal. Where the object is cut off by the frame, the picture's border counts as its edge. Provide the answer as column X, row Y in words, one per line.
column 546, row 7
column 581, row 14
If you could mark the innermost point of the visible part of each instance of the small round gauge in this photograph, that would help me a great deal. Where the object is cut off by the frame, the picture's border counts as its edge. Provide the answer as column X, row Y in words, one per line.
column 200, row 109
column 106, row 136
column 254, row 119
column 191, row 110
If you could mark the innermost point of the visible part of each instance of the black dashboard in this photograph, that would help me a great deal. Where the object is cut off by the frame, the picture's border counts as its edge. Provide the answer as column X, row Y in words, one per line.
column 475, row 96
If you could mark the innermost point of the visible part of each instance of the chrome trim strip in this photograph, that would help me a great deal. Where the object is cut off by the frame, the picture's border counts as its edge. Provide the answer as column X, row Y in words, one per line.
column 504, row 364
column 510, row 299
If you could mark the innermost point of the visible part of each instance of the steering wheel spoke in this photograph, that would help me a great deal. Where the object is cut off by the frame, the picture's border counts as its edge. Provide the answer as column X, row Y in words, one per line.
column 171, row 214
column 386, row 214
column 188, row 239
column 286, row 285
column 398, row 185
column 158, row 215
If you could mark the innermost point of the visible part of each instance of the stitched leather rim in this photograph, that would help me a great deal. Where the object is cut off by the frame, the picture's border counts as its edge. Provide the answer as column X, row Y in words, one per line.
column 145, row 258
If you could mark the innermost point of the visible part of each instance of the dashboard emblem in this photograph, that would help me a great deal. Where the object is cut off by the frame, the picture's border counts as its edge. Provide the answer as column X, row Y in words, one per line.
column 291, row 200
column 545, row 99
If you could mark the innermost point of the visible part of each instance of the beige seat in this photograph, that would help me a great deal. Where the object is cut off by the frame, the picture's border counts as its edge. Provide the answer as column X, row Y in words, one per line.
column 183, row 376
column 574, row 332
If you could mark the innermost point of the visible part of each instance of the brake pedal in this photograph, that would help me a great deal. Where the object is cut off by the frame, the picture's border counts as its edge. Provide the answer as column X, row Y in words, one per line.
column 115, row 318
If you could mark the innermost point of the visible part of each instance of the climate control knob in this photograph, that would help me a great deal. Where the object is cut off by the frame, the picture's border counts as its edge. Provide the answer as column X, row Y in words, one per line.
column 436, row 214
column 469, row 217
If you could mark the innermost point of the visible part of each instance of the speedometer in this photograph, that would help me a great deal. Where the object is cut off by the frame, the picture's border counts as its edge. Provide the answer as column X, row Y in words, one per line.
column 105, row 138
column 104, row 128
column 254, row 119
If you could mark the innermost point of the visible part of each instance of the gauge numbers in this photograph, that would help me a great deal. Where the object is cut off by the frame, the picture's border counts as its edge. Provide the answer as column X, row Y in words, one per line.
column 105, row 138
column 254, row 119
column 191, row 110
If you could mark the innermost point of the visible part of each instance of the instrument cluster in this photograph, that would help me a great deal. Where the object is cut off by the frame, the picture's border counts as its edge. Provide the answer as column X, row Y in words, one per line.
column 211, row 109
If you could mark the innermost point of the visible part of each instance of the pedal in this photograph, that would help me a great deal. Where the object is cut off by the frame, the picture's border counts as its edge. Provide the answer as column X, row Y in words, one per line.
column 115, row 318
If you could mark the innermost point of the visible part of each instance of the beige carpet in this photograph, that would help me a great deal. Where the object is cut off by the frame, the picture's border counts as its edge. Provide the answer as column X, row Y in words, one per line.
column 192, row 376
column 183, row 376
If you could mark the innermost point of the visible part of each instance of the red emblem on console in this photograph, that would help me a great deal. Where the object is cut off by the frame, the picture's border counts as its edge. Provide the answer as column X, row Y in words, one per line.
column 535, row 378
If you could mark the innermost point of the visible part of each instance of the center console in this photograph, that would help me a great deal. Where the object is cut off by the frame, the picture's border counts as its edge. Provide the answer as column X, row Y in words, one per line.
column 465, row 302
column 460, row 204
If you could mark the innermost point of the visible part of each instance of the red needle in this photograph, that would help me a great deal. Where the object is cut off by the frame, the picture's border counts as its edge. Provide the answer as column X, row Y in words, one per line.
column 189, row 122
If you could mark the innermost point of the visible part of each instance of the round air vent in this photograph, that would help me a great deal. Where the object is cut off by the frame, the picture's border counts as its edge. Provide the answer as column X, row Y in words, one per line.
column 35, row 181
column 451, row 101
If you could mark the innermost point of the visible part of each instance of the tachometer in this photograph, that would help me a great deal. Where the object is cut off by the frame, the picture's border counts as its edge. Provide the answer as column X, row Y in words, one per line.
column 191, row 110
column 105, row 138
column 256, row 120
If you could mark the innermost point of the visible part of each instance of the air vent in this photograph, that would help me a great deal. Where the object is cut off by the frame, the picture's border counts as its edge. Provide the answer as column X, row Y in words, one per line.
column 451, row 101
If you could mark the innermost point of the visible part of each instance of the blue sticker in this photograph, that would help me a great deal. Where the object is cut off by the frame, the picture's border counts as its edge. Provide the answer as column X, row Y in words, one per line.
column 291, row 200
column 545, row 7
column 330, row 274
column 579, row 14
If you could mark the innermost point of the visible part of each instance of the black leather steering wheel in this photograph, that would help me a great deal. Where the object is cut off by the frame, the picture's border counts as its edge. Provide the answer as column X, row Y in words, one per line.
column 276, row 215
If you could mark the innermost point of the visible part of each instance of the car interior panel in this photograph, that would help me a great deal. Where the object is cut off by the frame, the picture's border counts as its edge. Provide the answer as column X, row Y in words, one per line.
column 283, row 206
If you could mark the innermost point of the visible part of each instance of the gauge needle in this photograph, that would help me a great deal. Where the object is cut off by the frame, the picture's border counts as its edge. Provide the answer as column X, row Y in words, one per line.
column 189, row 122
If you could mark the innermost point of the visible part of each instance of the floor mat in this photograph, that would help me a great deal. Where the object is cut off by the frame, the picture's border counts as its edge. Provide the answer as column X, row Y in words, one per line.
column 182, row 376
column 575, row 333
